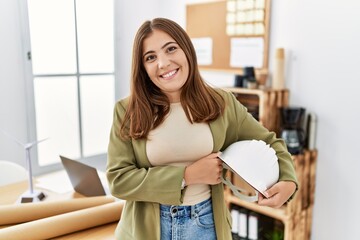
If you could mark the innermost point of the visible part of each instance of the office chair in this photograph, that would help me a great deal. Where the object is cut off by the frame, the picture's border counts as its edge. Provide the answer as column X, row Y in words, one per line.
column 11, row 173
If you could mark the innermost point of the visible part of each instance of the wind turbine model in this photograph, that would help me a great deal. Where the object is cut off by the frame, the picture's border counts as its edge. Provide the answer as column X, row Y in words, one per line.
column 30, row 195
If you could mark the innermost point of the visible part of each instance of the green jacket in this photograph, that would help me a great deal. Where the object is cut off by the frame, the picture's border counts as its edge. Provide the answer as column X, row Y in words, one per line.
column 132, row 178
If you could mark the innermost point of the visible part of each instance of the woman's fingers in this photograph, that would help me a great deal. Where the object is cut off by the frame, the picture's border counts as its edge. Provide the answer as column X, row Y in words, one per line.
column 207, row 170
column 278, row 194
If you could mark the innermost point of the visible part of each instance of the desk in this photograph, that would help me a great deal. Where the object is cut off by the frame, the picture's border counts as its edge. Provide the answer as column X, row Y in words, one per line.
column 10, row 193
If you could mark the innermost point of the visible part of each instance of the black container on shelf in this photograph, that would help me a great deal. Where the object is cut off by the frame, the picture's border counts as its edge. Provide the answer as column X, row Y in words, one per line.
column 249, row 72
column 292, row 128
column 249, row 78
column 239, row 81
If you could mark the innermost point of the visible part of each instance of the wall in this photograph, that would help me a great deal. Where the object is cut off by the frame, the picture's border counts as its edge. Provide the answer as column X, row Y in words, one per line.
column 12, row 84
column 321, row 38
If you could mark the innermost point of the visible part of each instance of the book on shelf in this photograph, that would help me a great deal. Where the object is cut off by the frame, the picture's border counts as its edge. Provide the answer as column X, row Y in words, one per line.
column 250, row 225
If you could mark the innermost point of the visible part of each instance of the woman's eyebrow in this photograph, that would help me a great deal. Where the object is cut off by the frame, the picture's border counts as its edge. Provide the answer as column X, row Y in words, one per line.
column 164, row 46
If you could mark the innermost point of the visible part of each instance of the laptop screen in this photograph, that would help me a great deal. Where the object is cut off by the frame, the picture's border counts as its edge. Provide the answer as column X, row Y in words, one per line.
column 84, row 178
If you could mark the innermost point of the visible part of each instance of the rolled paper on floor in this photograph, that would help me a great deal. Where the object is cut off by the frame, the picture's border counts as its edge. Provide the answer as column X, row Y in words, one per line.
column 20, row 213
column 64, row 223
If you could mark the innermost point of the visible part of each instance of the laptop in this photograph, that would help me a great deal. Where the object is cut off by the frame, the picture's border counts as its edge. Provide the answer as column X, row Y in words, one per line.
column 84, row 178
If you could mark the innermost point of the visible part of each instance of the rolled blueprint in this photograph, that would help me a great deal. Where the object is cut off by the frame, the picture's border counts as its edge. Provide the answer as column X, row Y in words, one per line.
column 64, row 223
column 19, row 213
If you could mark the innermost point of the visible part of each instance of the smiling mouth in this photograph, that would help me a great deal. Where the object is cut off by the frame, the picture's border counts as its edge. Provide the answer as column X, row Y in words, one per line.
column 169, row 74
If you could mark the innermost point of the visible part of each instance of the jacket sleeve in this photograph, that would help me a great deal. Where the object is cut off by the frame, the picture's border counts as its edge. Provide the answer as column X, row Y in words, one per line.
column 250, row 128
column 131, row 179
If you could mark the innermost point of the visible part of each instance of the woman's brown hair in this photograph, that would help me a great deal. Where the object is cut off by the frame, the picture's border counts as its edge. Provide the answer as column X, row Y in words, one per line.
column 148, row 106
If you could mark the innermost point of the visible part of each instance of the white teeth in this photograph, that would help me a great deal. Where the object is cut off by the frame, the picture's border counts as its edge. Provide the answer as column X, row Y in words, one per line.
column 169, row 74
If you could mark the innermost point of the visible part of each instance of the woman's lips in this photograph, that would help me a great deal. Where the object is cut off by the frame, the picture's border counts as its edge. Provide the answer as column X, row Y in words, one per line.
column 170, row 74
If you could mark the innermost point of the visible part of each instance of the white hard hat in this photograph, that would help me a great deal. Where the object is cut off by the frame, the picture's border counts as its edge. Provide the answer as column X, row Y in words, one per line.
column 254, row 161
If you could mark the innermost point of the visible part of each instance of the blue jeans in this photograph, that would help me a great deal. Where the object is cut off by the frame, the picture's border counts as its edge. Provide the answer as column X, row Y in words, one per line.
column 187, row 222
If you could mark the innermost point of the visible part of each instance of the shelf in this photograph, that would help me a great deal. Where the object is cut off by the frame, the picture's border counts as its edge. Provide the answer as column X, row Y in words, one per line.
column 246, row 90
column 256, row 91
column 238, row 71
column 279, row 213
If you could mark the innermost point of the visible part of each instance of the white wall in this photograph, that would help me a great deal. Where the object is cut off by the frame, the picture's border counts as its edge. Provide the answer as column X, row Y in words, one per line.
column 12, row 83
column 321, row 38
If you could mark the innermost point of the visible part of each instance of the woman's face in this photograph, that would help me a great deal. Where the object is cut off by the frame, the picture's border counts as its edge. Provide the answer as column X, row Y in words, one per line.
column 165, row 63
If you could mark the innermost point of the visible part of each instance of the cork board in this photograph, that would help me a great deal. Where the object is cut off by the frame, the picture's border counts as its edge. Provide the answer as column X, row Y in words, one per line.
column 205, row 20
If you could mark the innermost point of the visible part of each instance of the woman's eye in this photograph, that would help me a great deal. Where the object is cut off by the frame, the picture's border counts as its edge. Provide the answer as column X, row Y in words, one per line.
column 150, row 58
column 172, row 49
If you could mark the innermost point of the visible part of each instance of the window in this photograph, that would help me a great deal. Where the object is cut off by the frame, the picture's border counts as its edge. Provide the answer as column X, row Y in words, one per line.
column 72, row 82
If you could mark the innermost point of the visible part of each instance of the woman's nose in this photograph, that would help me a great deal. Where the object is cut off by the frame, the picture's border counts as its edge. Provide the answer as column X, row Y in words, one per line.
column 163, row 61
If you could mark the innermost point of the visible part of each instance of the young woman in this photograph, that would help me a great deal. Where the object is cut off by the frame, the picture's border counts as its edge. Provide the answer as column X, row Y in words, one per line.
column 165, row 140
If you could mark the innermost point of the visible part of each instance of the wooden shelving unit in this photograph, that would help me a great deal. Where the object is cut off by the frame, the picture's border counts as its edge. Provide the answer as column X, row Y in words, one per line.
column 268, row 102
column 296, row 215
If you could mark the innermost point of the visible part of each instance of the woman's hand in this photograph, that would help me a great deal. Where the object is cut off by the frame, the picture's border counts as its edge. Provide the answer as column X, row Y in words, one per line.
column 206, row 170
column 278, row 194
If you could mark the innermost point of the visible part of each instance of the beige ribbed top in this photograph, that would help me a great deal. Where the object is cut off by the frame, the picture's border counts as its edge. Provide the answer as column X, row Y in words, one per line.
column 177, row 142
